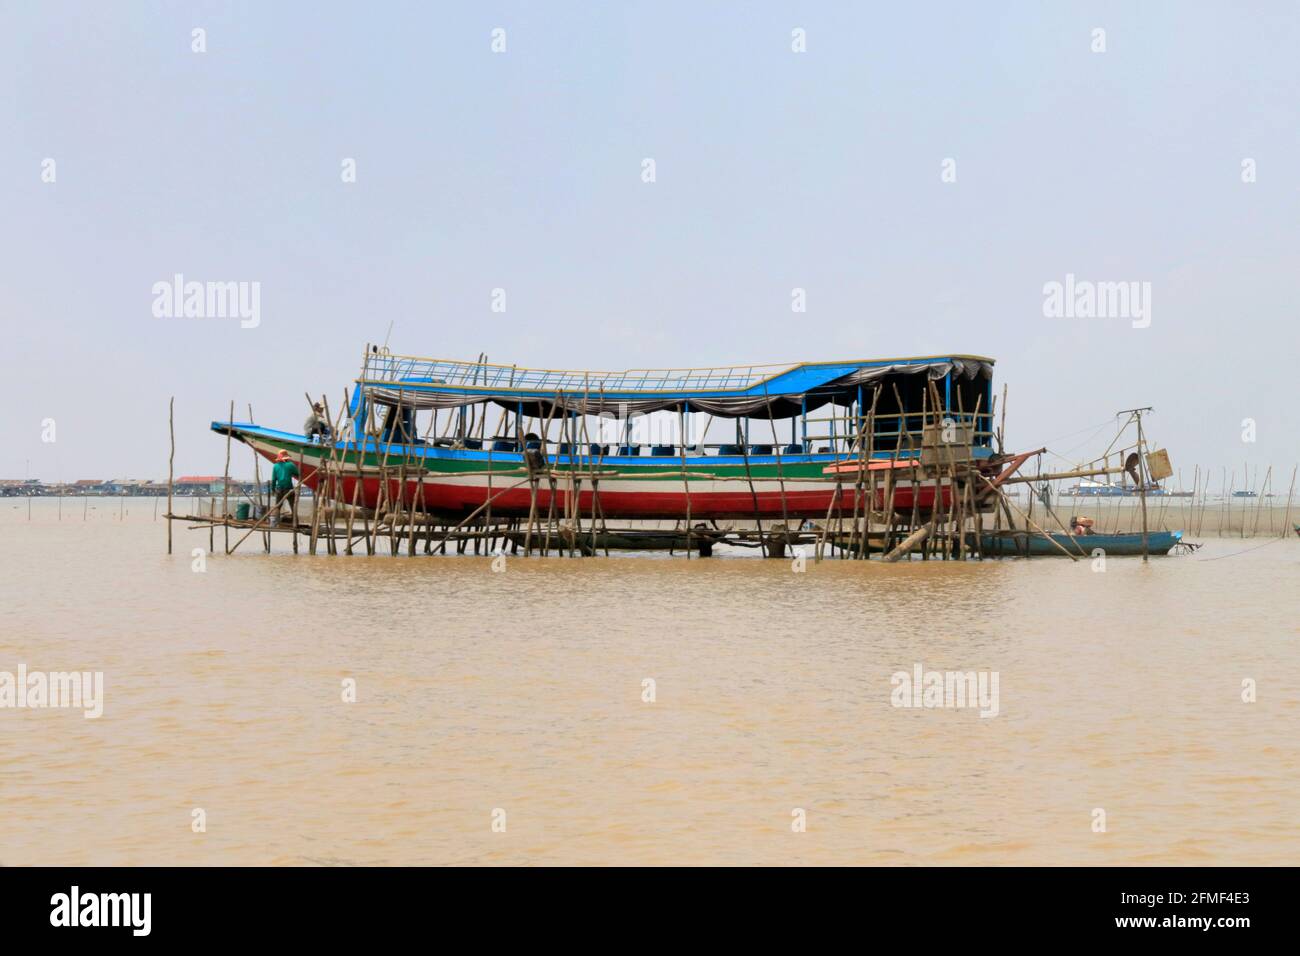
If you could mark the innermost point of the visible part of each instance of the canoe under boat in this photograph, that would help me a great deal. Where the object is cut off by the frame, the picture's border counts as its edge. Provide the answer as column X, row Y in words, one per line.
column 1011, row 543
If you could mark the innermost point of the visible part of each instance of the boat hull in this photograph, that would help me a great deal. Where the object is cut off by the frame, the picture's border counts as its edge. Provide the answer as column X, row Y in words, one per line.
column 443, row 483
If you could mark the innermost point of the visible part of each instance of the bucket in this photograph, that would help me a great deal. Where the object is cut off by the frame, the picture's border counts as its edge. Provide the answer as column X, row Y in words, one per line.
column 242, row 511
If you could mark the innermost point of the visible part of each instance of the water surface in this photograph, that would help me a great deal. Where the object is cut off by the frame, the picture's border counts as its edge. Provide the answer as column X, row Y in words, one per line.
column 522, row 691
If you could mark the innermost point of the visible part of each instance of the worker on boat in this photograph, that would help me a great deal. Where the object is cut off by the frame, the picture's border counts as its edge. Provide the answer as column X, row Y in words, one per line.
column 1081, row 526
column 316, row 424
column 283, row 474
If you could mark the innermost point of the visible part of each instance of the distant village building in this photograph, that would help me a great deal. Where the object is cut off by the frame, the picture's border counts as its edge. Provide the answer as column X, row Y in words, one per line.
column 210, row 485
column 125, row 486
column 199, row 485
column 10, row 487
column 188, row 485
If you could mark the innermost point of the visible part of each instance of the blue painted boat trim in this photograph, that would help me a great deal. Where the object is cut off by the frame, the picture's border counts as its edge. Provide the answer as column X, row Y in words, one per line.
column 438, row 452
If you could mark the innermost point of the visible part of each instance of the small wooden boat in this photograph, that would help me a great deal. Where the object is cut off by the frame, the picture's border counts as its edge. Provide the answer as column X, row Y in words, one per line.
column 1010, row 543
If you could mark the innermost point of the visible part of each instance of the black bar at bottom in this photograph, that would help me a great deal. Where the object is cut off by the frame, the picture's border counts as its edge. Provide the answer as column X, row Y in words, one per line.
column 332, row 906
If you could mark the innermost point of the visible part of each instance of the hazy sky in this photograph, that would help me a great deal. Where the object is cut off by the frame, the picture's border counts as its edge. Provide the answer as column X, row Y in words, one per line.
column 522, row 170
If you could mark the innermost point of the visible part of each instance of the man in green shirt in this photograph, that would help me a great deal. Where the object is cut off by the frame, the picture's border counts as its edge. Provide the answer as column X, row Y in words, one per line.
column 283, row 475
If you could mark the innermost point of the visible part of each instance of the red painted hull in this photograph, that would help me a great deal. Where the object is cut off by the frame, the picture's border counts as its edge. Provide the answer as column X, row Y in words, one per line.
column 459, row 500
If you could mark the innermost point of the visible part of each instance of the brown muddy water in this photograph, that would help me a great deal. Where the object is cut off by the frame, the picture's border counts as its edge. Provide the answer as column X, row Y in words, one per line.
column 516, row 697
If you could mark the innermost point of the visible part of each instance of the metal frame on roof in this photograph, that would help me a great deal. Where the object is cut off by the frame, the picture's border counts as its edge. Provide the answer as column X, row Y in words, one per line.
column 723, row 390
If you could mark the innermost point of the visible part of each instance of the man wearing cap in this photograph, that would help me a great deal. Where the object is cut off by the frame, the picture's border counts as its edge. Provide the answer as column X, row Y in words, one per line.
column 316, row 424
column 283, row 475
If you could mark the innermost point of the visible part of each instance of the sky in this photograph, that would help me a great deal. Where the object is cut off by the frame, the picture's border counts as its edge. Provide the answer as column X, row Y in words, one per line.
column 921, row 171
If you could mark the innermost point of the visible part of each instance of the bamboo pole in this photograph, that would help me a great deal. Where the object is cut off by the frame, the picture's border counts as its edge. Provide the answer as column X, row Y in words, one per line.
column 686, row 482
column 938, row 514
column 904, row 433
column 533, row 478
column 1286, row 520
column 860, row 445
column 780, row 472
column 1002, row 427
column 599, row 465
column 337, row 460
column 575, row 485
column 315, row 503
column 753, row 495
column 966, row 488
column 383, row 501
column 257, row 482
column 417, row 507
column 225, row 484
column 907, row 544
column 368, row 427
column 870, row 504
column 1259, row 502
column 171, row 459
column 491, row 447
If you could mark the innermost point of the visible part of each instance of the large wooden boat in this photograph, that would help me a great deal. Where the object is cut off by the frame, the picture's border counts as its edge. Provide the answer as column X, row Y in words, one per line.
column 904, row 435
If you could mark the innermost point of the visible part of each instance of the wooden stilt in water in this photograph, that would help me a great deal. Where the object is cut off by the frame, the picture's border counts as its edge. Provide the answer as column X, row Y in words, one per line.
column 907, row 544
column 171, row 460
column 225, row 483
column 257, row 485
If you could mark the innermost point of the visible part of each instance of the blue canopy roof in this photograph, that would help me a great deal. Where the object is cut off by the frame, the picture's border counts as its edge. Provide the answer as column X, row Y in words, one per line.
column 727, row 391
